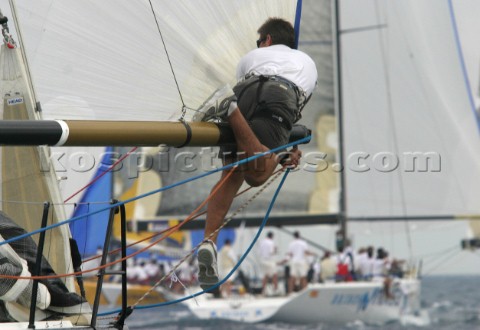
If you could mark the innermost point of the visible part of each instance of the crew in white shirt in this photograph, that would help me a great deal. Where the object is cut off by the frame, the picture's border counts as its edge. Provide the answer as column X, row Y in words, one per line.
column 298, row 252
column 267, row 251
column 365, row 265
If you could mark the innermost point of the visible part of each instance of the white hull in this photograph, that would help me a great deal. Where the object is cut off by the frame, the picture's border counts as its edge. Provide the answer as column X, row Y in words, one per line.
column 329, row 303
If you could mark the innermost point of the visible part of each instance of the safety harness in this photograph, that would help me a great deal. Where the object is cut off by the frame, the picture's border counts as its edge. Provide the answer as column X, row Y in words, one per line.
column 301, row 95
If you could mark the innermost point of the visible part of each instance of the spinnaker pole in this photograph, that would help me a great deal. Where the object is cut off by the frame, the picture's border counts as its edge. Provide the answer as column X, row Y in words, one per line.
column 121, row 133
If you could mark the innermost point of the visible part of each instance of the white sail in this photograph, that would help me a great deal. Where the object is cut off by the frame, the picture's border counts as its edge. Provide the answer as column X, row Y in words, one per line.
column 108, row 60
column 27, row 175
column 467, row 23
column 411, row 129
column 404, row 90
column 405, row 93
column 111, row 55
column 466, row 13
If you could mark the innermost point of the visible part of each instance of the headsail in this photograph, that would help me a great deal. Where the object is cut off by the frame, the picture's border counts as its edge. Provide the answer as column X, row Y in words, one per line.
column 121, row 47
column 117, row 45
column 27, row 176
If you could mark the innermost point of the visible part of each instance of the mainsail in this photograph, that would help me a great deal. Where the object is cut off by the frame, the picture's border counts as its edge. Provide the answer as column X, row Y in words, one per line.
column 408, row 110
column 411, row 128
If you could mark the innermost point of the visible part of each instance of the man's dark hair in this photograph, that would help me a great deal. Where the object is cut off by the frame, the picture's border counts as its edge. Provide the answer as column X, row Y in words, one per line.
column 370, row 251
column 296, row 234
column 270, row 234
column 280, row 30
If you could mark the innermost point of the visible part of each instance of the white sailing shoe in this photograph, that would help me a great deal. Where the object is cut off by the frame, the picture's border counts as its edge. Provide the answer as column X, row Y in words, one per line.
column 207, row 265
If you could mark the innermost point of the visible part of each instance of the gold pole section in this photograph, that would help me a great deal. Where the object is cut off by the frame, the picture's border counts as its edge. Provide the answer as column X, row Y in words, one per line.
column 114, row 133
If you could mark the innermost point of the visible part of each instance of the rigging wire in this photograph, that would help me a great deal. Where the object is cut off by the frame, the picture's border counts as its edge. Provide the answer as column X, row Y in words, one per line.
column 442, row 261
column 161, row 232
column 109, row 169
column 176, row 184
column 393, row 129
column 226, row 221
column 226, row 167
column 241, row 259
column 169, row 61
column 169, row 231
column 434, row 254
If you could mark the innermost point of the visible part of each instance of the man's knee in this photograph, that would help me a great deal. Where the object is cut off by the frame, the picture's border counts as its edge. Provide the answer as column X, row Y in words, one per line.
column 257, row 179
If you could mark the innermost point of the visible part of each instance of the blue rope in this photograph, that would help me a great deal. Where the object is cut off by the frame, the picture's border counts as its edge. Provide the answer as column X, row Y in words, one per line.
column 173, row 185
column 262, row 225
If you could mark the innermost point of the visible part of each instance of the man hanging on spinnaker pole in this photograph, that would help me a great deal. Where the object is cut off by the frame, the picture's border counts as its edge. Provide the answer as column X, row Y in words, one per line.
column 275, row 81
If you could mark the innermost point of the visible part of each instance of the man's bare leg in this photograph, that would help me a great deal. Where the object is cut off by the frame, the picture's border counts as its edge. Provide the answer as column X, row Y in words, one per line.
column 291, row 284
column 216, row 210
column 303, row 282
column 275, row 282
column 220, row 203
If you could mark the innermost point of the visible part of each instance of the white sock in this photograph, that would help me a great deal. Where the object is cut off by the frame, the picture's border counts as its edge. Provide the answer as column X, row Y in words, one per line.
column 231, row 108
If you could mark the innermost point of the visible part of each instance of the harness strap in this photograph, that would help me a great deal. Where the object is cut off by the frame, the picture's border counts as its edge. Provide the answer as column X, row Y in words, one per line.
column 302, row 98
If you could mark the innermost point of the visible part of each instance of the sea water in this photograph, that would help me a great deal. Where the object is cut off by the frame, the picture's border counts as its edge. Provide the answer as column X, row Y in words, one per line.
column 448, row 302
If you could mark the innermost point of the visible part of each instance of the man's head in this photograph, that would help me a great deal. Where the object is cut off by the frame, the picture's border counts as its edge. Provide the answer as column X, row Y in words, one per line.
column 276, row 31
column 270, row 234
column 296, row 234
column 370, row 251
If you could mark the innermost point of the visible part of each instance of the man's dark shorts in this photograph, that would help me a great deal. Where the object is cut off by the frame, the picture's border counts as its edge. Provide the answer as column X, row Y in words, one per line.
column 269, row 108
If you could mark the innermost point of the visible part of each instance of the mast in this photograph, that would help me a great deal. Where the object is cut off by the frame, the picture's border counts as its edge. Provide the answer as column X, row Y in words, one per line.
column 342, row 216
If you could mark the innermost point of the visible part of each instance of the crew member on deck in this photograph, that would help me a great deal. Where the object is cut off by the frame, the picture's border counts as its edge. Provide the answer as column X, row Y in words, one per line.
column 328, row 268
column 267, row 251
column 297, row 254
column 365, row 265
column 228, row 260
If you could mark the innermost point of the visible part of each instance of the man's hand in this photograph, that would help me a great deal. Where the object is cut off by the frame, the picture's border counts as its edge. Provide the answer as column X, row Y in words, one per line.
column 293, row 159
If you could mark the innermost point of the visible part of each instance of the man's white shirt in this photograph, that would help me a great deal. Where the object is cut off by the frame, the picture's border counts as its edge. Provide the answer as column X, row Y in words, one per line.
column 280, row 60
column 266, row 248
column 297, row 250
